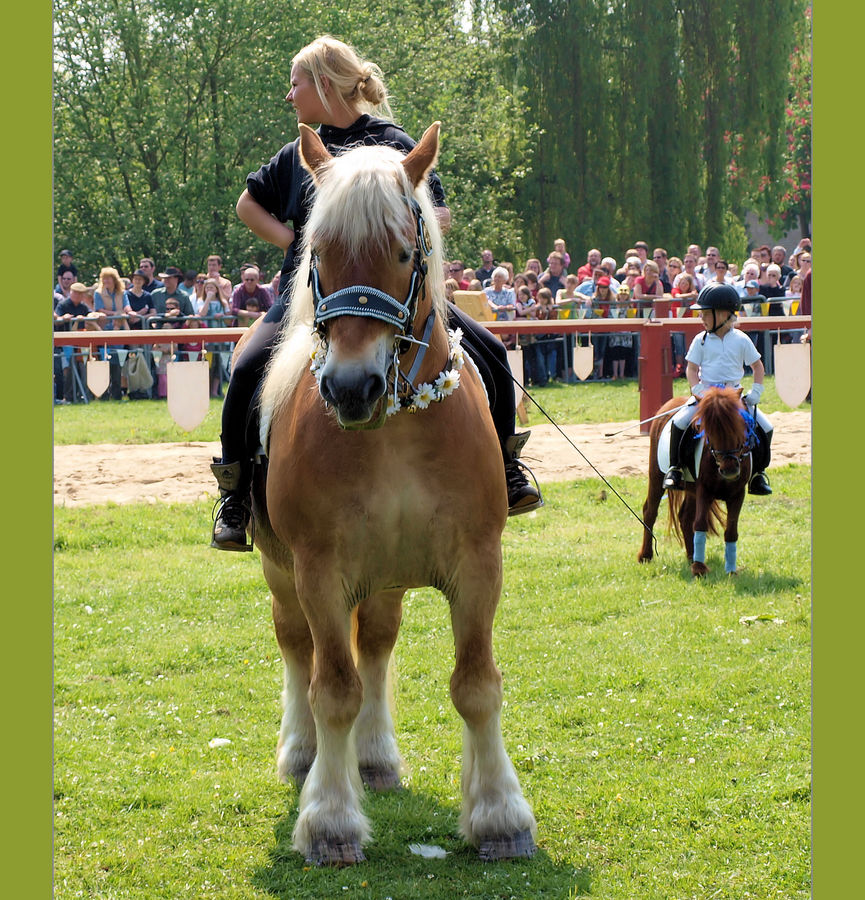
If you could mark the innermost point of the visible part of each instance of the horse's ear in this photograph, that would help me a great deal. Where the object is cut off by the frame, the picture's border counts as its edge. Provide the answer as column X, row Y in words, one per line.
column 740, row 392
column 423, row 155
column 313, row 153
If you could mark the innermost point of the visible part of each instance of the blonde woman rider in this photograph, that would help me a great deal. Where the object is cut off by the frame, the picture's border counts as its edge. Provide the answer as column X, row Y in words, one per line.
column 331, row 85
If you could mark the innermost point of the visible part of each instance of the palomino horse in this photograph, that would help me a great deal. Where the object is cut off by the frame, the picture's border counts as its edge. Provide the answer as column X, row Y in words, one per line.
column 384, row 473
column 724, row 469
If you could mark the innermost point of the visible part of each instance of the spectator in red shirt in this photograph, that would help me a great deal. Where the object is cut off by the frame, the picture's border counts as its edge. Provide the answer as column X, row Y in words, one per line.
column 457, row 270
column 593, row 260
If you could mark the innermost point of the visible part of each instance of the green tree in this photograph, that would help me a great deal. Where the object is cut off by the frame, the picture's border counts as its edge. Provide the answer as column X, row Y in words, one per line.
column 160, row 110
column 598, row 122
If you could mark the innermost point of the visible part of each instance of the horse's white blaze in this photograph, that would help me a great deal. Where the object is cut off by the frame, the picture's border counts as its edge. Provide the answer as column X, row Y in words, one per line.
column 357, row 363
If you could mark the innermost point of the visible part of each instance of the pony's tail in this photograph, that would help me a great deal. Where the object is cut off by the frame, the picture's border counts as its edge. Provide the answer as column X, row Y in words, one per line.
column 717, row 516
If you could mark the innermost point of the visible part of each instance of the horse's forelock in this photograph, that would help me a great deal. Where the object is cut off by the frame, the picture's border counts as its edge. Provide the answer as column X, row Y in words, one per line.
column 361, row 203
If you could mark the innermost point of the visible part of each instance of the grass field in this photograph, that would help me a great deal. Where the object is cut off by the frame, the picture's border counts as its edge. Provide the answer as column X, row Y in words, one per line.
column 147, row 421
column 660, row 726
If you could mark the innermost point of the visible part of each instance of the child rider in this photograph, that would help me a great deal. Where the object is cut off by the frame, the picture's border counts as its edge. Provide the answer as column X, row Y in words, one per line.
column 717, row 358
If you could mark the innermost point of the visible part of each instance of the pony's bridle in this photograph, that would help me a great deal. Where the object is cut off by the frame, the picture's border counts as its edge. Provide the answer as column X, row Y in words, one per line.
column 362, row 300
column 737, row 454
column 720, row 455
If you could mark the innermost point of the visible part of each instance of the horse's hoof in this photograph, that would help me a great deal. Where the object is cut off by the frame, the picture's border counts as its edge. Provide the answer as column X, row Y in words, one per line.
column 698, row 570
column 328, row 852
column 520, row 844
column 380, row 779
column 734, row 573
column 644, row 559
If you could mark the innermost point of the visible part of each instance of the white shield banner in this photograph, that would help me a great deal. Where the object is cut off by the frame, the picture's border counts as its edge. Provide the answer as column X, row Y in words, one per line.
column 515, row 361
column 188, row 392
column 792, row 372
column 584, row 360
column 98, row 376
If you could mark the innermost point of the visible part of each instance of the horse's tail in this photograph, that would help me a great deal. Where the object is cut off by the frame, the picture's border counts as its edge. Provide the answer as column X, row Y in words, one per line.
column 717, row 517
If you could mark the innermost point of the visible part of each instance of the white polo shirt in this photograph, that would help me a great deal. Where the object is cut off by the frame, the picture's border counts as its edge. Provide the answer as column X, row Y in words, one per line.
column 722, row 360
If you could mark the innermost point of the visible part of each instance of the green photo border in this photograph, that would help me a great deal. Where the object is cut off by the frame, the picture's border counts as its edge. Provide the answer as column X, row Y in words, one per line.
column 836, row 484
column 26, row 486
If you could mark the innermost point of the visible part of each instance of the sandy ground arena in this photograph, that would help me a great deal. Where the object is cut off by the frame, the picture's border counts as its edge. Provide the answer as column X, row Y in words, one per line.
column 178, row 473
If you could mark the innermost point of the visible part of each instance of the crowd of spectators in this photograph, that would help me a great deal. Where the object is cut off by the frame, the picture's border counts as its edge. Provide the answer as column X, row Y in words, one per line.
column 150, row 299
column 770, row 282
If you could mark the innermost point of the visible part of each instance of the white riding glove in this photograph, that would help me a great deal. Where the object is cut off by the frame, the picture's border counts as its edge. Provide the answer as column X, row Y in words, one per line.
column 699, row 389
column 752, row 398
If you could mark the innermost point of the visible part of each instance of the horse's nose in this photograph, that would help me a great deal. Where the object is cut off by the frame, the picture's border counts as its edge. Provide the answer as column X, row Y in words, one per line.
column 338, row 390
column 352, row 394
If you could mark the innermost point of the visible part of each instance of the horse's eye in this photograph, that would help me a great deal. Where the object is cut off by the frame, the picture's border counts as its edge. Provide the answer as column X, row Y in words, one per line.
column 404, row 256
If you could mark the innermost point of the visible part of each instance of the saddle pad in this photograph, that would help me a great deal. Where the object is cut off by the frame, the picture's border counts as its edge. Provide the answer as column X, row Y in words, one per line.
column 690, row 455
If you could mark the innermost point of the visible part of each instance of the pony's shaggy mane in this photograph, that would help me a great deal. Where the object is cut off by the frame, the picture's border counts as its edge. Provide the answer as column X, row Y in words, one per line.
column 718, row 415
column 360, row 204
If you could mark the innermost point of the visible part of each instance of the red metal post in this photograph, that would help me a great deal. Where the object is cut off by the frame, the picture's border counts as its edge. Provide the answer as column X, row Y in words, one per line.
column 656, row 373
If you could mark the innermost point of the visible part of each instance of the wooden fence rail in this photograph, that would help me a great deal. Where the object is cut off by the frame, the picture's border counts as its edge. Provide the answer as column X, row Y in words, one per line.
column 655, row 360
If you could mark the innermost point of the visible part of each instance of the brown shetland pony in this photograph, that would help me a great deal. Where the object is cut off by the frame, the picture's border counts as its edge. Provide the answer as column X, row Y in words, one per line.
column 360, row 502
column 725, row 469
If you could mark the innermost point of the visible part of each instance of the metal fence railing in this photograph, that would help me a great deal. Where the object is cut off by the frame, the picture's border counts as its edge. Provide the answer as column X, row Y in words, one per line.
column 654, row 359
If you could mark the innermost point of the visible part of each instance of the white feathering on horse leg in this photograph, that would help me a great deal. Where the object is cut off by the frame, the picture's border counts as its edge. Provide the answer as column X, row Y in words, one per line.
column 330, row 802
column 493, row 802
column 375, row 737
column 295, row 750
column 377, row 620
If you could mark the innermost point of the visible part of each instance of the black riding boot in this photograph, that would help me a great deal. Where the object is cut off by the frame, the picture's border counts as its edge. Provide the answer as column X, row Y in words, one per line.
column 674, row 480
column 759, row 483
column 234, row 511
column 522, row 496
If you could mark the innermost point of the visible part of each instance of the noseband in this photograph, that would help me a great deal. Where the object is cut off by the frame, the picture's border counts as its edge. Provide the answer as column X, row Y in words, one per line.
column 370, row 302
column 720, row 455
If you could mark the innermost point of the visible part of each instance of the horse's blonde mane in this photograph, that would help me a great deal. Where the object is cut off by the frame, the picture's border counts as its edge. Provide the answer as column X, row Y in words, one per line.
column 360, row 204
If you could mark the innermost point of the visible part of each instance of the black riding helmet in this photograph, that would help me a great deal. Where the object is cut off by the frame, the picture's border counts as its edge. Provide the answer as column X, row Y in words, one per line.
column 718, row 295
